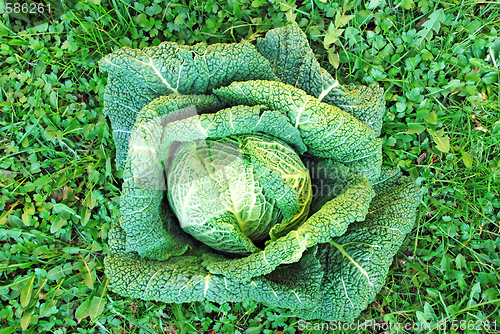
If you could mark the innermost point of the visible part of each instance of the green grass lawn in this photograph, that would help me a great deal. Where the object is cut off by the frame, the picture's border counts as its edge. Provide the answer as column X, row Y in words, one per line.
column 438, row 62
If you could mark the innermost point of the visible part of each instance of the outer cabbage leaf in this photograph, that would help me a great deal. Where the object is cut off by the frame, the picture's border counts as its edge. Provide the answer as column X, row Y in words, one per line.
column 138, row 76
column 326, row 130
column 294, row 63
column 358, row 261
column 331, row 281
column 366, row 103
column 230, row 121
column 152, row 229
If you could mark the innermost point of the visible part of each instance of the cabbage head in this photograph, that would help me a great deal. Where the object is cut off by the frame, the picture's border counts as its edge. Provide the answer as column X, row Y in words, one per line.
column 249, row 172
column 230, row 193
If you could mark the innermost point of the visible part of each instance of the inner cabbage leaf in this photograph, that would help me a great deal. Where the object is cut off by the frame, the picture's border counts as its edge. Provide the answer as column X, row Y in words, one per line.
column 230, row 193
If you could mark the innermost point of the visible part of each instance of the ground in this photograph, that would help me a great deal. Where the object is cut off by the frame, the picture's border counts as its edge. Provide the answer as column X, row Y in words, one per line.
column 59, row 189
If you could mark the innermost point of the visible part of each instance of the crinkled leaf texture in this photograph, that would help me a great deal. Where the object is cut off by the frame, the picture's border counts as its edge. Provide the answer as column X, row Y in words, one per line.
column 330, row 260
column 332, row 280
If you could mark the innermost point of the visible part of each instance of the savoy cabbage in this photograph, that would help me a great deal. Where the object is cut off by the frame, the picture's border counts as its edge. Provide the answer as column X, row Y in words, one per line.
column 272, row 189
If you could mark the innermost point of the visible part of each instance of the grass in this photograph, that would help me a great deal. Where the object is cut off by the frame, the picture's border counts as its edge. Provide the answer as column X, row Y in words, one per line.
column 438, row 62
